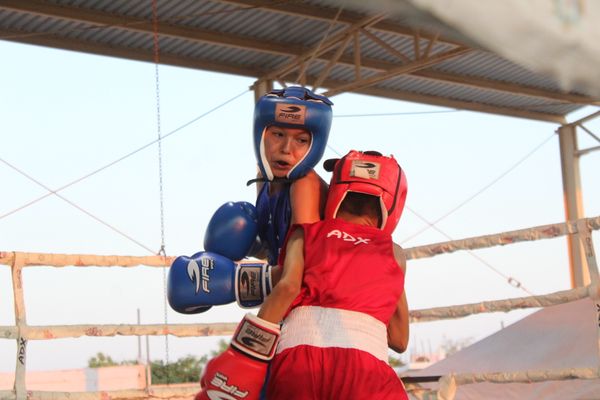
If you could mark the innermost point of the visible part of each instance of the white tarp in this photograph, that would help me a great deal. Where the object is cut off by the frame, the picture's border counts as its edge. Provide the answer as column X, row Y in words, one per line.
column 560, row 38
column 556, row 38
column 558, row 337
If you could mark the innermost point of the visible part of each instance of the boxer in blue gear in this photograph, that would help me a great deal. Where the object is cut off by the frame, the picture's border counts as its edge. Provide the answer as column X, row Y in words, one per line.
column 291, row 128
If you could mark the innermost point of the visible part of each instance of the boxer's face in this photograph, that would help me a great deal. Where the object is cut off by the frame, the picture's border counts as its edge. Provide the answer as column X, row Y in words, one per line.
column 285, row 147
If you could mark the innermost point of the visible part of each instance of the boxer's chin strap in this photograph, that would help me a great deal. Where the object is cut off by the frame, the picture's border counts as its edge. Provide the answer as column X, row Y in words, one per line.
column 275, row 180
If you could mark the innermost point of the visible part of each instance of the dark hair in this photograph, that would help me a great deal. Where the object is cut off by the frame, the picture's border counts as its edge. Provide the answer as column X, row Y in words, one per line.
column 362, row 204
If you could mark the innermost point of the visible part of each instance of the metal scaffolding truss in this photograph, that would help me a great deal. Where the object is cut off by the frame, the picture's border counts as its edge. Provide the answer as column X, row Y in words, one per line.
column 311, row 42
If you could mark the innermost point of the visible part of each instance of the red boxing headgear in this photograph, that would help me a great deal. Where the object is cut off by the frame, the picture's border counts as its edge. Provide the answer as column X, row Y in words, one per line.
column 369, row 173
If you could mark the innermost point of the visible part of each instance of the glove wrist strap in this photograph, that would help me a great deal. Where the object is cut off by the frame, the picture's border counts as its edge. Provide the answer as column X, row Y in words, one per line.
column 252, row 283
column 256, row 337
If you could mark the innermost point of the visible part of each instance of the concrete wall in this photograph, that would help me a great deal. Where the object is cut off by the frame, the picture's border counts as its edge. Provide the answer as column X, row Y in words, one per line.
column 81, row 380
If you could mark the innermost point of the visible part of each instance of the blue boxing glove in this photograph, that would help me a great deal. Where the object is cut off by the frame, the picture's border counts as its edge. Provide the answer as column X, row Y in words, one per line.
column 206, row 279
column 232, row 230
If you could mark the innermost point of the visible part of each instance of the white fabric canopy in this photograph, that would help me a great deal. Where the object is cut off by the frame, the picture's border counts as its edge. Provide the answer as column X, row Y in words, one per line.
column 557, row 38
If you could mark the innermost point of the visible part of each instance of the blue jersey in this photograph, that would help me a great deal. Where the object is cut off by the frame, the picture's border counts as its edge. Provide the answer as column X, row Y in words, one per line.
column 274, row 217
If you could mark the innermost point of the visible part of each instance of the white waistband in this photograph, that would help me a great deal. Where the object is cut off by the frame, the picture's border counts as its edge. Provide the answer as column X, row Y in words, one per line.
column 334, row 327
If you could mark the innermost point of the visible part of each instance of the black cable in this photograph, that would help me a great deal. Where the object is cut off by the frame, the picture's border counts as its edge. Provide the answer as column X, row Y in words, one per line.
column 55, row 191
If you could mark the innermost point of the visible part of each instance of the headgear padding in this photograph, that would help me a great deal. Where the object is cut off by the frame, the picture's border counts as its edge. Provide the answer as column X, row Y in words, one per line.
column 293, row 107
column 369, row 173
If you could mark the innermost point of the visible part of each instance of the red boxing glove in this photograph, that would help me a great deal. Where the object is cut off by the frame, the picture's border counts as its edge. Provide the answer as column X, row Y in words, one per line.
column 239, row 372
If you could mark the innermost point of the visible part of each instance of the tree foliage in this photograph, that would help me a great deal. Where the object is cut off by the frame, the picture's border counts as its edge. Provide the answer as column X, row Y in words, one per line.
column 101, row 360
column 186, row 369
column 451, row 346
column 395, row 362
column 223, row 345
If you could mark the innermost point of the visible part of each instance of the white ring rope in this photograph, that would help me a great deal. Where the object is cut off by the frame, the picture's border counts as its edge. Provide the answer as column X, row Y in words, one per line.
column 75, row 331
column 500, row 239
column 464, row 310
column 431, row 314
column 528, row 376
column 448, row 383
column 22, row 332
column 81, row 260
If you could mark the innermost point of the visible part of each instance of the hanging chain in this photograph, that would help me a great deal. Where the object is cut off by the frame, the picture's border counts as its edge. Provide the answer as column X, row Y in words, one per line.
column 162, row 251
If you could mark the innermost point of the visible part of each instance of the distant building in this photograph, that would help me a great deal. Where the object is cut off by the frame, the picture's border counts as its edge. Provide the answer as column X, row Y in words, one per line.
column 424, row 360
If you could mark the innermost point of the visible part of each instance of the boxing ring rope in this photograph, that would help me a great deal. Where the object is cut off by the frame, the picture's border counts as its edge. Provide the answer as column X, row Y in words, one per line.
column 464, row 310
column 501, row 239
column 21, row 332
column 448, row 383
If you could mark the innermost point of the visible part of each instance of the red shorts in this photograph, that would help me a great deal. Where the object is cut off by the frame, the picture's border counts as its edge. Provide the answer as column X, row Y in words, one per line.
column 308, row 372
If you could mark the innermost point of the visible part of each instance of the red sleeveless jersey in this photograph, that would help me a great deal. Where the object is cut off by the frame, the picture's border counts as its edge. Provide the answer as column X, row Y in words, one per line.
column 351, row 267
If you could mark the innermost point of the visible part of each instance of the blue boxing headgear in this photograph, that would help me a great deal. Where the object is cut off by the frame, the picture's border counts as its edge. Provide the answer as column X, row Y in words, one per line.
column 293, row 107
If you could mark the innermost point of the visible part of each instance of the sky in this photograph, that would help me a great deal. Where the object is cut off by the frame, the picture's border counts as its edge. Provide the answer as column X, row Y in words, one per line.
column 65, row 115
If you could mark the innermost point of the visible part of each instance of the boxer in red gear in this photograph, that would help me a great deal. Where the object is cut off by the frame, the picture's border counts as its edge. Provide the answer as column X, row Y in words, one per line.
column 343, row 280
